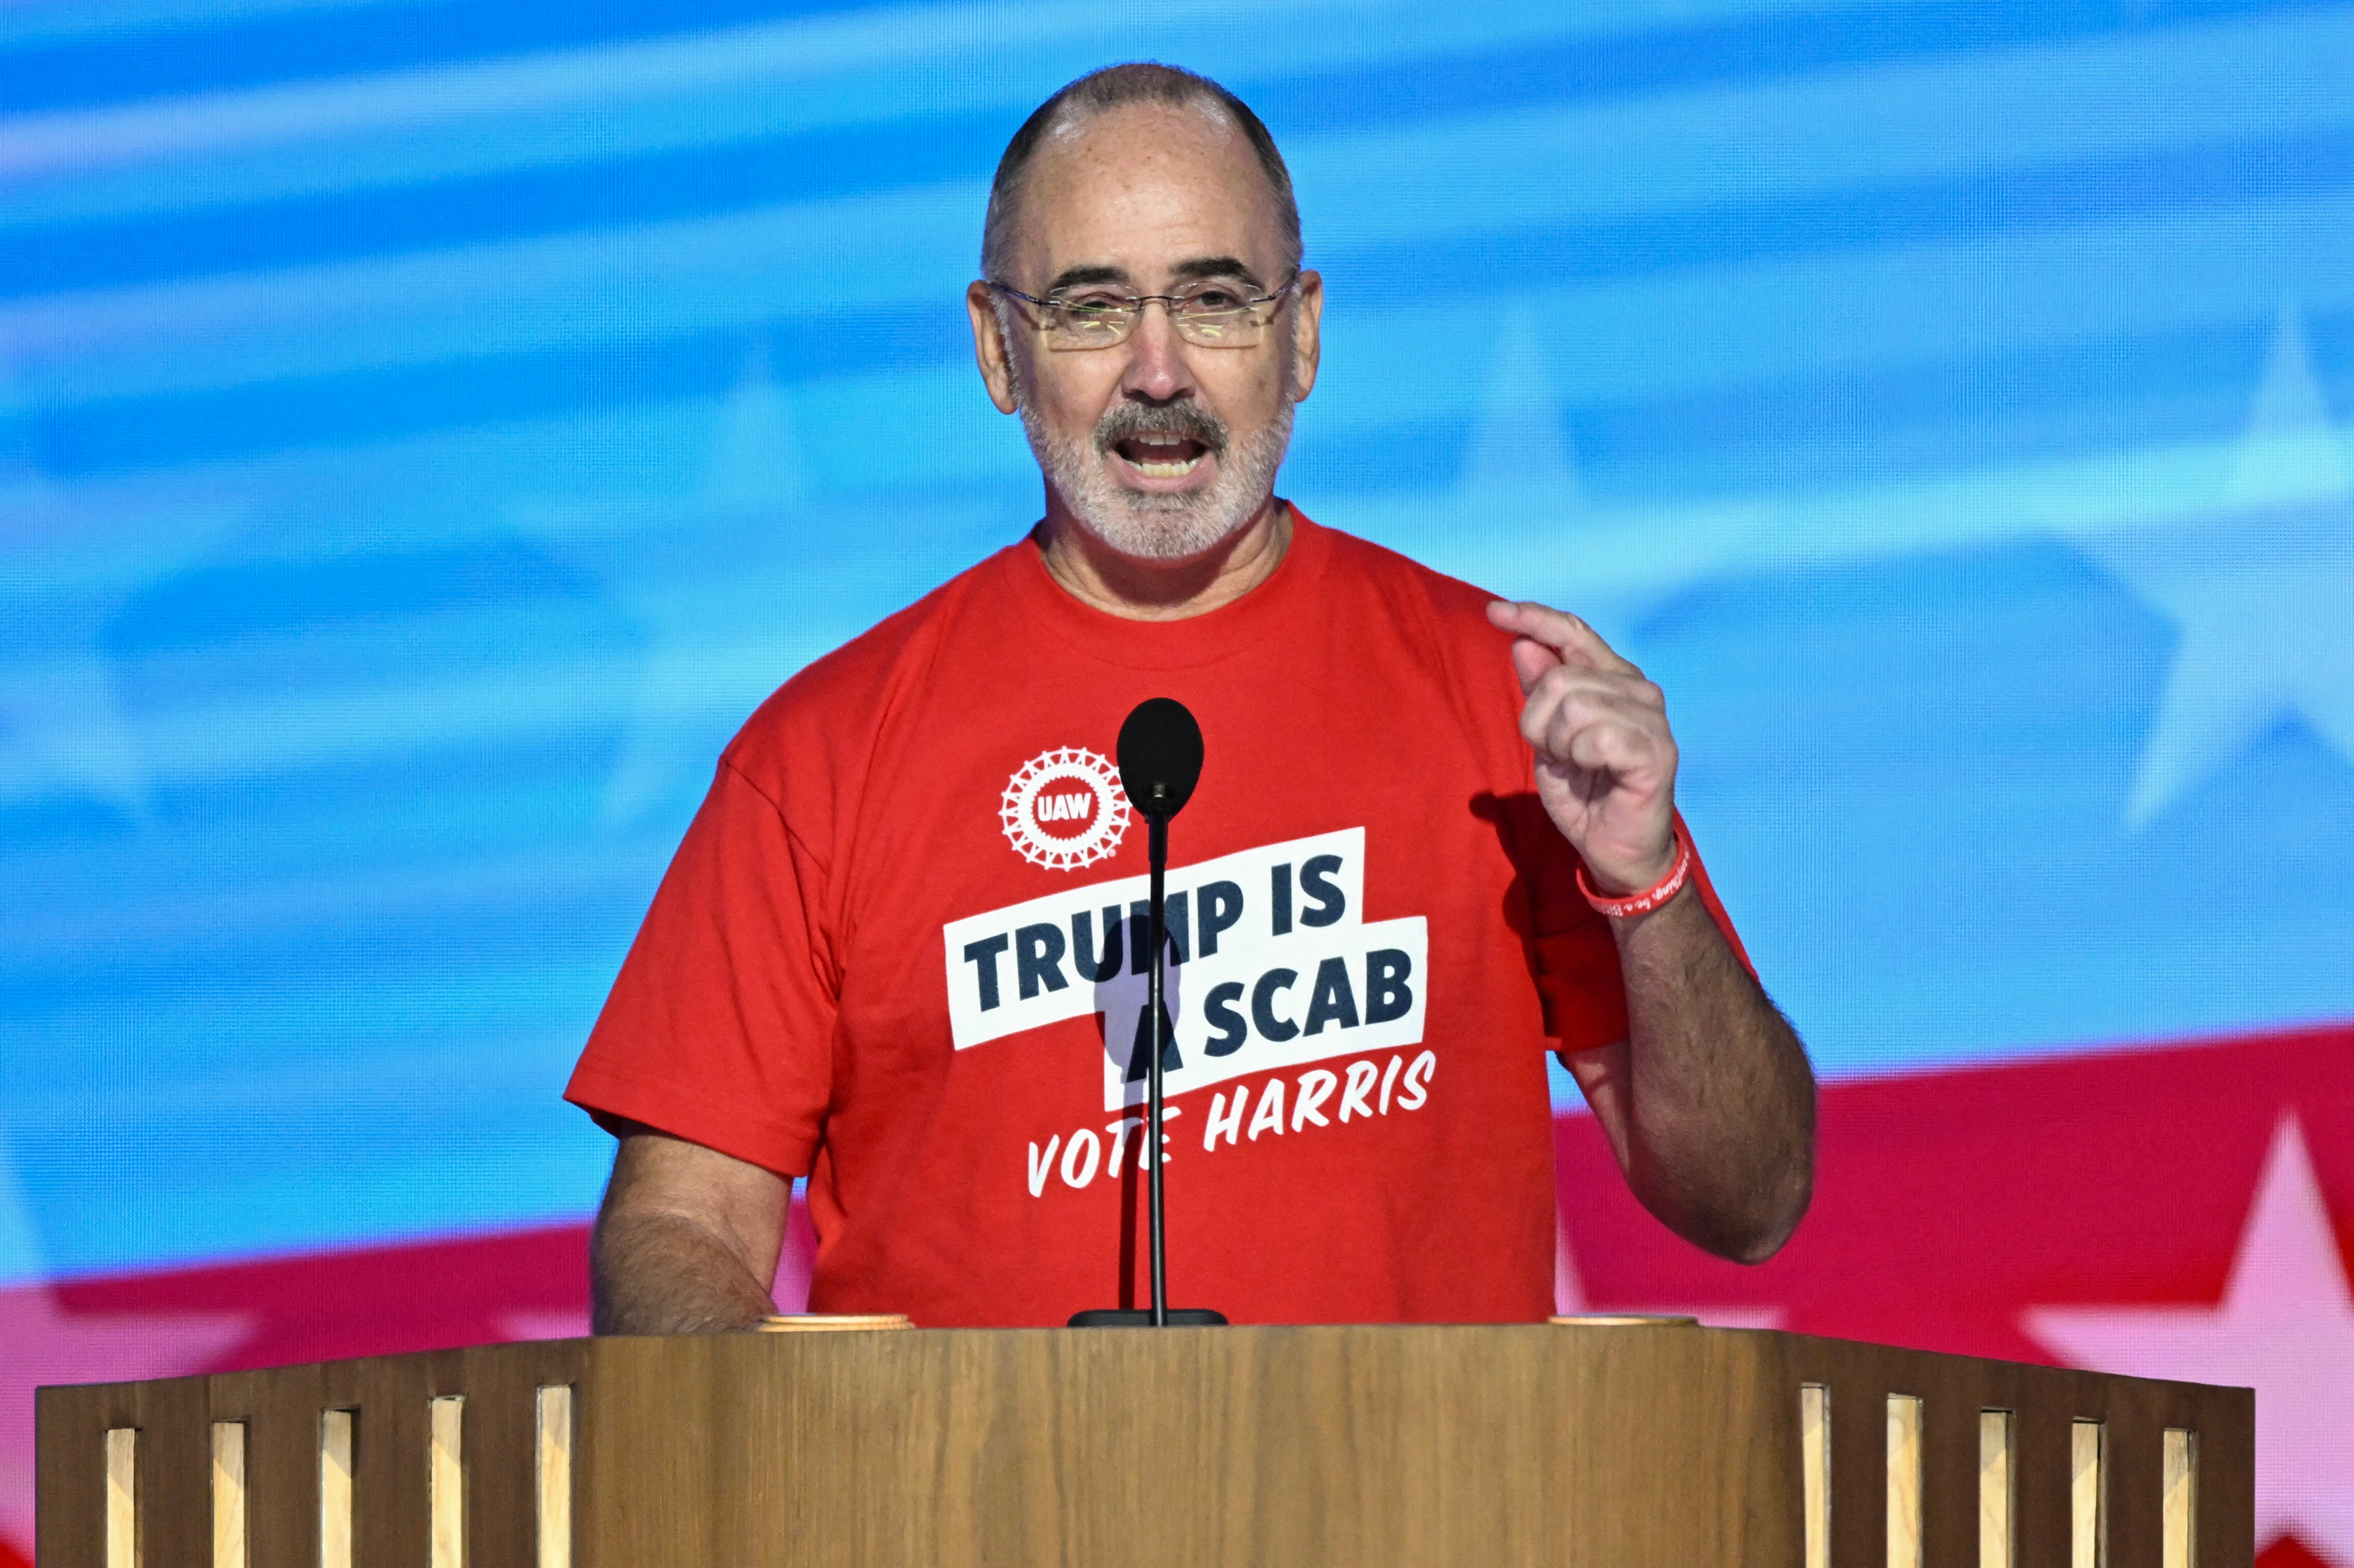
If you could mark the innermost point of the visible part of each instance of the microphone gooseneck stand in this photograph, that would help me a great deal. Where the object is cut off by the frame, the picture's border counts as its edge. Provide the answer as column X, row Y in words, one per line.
column 1160, row 762
column 1157, row 846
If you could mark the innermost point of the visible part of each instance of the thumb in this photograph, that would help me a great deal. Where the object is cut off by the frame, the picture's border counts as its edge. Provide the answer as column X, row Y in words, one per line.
column 1530, row 659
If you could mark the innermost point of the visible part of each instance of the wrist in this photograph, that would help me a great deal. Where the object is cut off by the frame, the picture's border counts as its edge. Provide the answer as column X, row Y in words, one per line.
column 1625, row 882
column 1643, row 900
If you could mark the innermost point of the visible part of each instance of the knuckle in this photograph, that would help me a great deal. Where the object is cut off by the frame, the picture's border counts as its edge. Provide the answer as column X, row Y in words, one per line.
column 1563, row 683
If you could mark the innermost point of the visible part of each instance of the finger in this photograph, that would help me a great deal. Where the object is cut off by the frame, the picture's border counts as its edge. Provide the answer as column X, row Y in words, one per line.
column 1566, row 634
column 1572, row 690
column 1621, row 750
column 1561, row 688
column 1530, row 659
column 1626, row 687
column 1587, row 696
column 1601, row 763
column 1566, row 700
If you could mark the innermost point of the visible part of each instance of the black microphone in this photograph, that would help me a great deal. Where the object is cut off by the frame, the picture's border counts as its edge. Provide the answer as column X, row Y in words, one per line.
column 1159, row 758
column 1160, row 755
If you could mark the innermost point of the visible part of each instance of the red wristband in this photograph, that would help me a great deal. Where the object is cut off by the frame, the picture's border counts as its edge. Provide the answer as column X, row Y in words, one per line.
column 1651, row 897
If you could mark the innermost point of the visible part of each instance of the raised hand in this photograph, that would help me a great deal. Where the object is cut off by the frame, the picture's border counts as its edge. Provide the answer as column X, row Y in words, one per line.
column 1606, row 762
column 1709, row 1102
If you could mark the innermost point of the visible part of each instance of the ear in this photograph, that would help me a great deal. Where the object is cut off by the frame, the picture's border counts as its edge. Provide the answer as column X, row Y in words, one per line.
column 990, row 349
column 1307, row 331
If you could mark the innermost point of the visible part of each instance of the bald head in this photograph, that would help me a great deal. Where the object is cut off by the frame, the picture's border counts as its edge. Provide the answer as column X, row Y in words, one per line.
column 1114, row 88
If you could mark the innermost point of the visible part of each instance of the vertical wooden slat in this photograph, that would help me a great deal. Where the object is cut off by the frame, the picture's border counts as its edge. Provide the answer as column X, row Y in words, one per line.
column 392, row 1516
column 228, row 1495
column 1815, row 1462
column 2133, row 1482
column 279, row 1411
column 446, row 1476
column 552, row 1469
column 502, row 1463
column 123, row 1497
column 175, row 1421
column 2038, row 1482
column 1949, row 1472
column 335, row 1488
column 2225, row 1520
column 2087, row 1494
column 2178, row 1522
column 1903, row 1481
column 1997, row 1447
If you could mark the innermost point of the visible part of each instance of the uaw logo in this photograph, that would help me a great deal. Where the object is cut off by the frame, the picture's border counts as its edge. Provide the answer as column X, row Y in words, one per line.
column 1064, row 808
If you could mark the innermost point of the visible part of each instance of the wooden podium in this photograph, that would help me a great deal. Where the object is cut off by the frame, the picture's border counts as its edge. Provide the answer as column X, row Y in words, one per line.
column 1439, row 1448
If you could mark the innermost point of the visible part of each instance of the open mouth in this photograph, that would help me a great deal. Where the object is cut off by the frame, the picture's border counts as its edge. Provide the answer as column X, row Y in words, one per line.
column 1160, row 456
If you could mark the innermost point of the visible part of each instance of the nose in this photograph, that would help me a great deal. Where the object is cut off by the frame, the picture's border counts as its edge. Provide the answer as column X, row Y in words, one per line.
column 1156, row 371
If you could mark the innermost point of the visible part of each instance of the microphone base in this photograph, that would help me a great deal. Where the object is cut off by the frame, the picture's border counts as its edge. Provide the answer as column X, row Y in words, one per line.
column 1142, row 1318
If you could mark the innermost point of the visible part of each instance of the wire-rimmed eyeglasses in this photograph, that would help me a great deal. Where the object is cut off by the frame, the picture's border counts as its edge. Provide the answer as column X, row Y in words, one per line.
column 1212, row 313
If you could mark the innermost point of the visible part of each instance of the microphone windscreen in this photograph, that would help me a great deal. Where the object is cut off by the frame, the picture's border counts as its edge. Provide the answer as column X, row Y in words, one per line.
column 1160, row 757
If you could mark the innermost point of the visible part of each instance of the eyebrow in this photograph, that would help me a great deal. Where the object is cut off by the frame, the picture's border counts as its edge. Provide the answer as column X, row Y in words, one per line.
column 1071, row 277
column 1186, row 271
column 1217, row 267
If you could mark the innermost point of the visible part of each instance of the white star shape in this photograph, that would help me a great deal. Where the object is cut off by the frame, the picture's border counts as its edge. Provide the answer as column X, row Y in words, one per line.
column 1570, row 1300
column 716, row 641
column 2260, row 587
column 1520, row 438
column 1518, row 518
column 76, row 556
column 2284, row 1328
column 62, row 733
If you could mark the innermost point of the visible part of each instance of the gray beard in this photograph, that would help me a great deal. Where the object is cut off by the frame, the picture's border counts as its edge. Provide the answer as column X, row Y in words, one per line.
column 1155, row 525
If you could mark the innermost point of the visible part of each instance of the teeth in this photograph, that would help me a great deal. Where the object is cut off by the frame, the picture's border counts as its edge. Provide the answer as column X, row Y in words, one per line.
column 1159, row 459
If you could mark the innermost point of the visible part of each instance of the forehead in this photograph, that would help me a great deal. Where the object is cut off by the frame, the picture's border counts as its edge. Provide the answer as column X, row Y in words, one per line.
column 1143, row 188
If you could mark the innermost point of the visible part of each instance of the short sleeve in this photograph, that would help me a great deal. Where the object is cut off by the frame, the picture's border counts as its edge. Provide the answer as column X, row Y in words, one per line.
column 1577, row 957
column 720, row 1027
column 1574, row 956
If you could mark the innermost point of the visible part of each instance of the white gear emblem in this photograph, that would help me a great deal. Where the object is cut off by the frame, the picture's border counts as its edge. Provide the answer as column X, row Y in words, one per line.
column 1107, row 820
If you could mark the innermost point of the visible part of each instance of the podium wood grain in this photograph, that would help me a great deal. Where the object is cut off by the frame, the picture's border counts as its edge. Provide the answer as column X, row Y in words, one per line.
column 1362, row 1446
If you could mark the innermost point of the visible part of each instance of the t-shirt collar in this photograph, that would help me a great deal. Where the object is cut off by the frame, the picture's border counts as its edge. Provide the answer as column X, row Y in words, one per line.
column 1195, row 640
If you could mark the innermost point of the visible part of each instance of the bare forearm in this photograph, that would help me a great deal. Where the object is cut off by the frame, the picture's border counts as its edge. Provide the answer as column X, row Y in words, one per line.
column 653, row 1273
column 1719, row 1098
column 1709, row 1103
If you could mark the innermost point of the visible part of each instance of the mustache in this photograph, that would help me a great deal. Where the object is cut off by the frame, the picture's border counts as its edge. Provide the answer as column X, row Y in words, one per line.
column 1186, row 420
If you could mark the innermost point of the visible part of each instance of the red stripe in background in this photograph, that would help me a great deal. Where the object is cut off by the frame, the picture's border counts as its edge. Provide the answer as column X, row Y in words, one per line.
column 1946, row 1203
column 367, row 1303
column 384, row 1301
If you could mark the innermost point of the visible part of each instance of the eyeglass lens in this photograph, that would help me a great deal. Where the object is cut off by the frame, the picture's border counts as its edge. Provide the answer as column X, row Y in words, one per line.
column 1214, row 316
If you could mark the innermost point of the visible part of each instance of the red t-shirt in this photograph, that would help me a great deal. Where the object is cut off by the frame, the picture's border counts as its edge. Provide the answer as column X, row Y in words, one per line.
column 898, row 952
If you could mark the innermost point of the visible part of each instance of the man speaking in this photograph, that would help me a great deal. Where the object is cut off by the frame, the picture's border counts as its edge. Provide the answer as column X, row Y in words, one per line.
column 901, row 952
